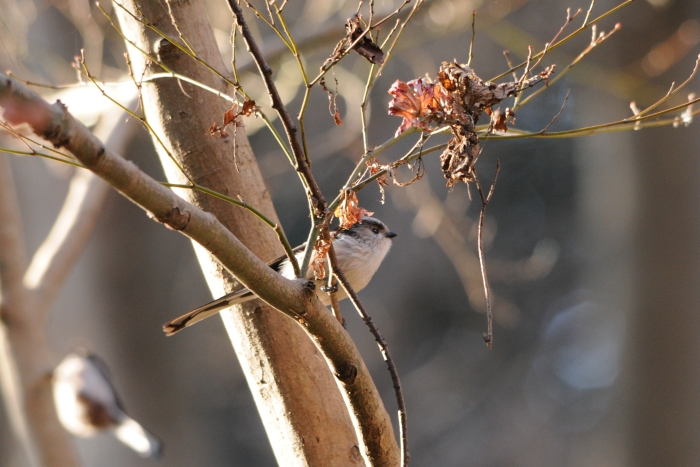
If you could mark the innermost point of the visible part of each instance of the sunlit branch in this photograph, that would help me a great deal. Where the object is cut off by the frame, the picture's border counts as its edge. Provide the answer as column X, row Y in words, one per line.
column 239, row 202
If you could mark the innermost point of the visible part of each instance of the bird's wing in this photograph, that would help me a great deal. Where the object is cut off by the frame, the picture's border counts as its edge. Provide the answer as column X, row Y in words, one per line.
column 277, row 263
column 215, row 306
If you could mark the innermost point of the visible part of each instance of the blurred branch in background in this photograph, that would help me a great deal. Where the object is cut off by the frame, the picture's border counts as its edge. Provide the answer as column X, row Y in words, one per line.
column 28, row 295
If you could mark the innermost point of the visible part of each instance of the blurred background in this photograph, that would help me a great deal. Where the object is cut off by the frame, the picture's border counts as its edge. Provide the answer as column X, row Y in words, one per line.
column 592, row 246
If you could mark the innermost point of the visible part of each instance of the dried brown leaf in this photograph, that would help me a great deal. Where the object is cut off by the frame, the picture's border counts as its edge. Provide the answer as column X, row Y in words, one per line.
column 229, row 117
column 349, row 211
column 248, row 107
column 365, row 47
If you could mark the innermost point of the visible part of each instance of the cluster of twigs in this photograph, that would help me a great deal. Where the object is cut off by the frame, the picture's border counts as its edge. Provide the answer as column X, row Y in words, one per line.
column 362, row 36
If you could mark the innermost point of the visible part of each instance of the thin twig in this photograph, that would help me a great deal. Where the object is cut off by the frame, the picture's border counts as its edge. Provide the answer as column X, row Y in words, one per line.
column 544, row 130
column 597, row 40
column 488, row 335
column 360, row 37
column 141, row 118
column 506, row 54
column 388, row 53
column 67, row 158
column 588, row 13
column 569, row 19
column 672, row 91
column 39, row 154
column 471, row 43
column 317, row 202
column 177, row 27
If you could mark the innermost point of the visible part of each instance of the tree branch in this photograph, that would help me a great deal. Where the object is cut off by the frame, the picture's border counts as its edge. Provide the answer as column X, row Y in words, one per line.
column 294, row 298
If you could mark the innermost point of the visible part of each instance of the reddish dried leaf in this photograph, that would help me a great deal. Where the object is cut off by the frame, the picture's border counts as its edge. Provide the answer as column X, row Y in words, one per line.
column 229, row 117
column 415, row 102
column 336, row 118
column 248, row 107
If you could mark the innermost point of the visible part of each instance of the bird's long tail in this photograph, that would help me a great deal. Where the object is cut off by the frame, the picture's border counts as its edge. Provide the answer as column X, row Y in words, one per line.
column 137, row 438
column 205, row 311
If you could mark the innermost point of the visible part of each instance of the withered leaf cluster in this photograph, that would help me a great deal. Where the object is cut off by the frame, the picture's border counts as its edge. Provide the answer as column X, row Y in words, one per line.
column 456, row 98
column 231, row 117
column 349, row 211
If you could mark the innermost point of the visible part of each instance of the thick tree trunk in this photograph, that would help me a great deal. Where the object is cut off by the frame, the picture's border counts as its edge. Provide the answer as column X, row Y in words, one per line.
column 296, row 394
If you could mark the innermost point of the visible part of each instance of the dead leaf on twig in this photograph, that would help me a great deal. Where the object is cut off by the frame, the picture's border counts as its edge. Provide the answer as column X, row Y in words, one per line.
column 231, row 116
column 349, row 211
column 332, row 100
column 318, row 259
column 365, row 47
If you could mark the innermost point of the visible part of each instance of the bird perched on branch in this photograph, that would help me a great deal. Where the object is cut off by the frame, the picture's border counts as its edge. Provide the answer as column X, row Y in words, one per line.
column 360, row 250
column 86, row 404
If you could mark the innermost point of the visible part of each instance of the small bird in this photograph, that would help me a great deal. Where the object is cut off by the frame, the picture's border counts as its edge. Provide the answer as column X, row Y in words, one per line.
column 87, row 403
column 360, row 250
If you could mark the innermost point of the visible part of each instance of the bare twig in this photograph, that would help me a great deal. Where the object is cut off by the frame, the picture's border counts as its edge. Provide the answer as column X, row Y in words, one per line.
column 471, row 43
column 360, row 37
column 595, row 41
column 563, row 105
column 488, row 335
column 140, row 118
column 388, row 53
column 506, row 54
column 177, row 27
column 569, row 19
column 671, row 91
column 588, row 13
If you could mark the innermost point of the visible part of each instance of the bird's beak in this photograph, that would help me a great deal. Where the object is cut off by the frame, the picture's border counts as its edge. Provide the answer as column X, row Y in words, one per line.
column 390, row 234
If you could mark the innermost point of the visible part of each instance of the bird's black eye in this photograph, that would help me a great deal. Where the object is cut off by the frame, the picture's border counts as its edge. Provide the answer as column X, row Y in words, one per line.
column 375, row 230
